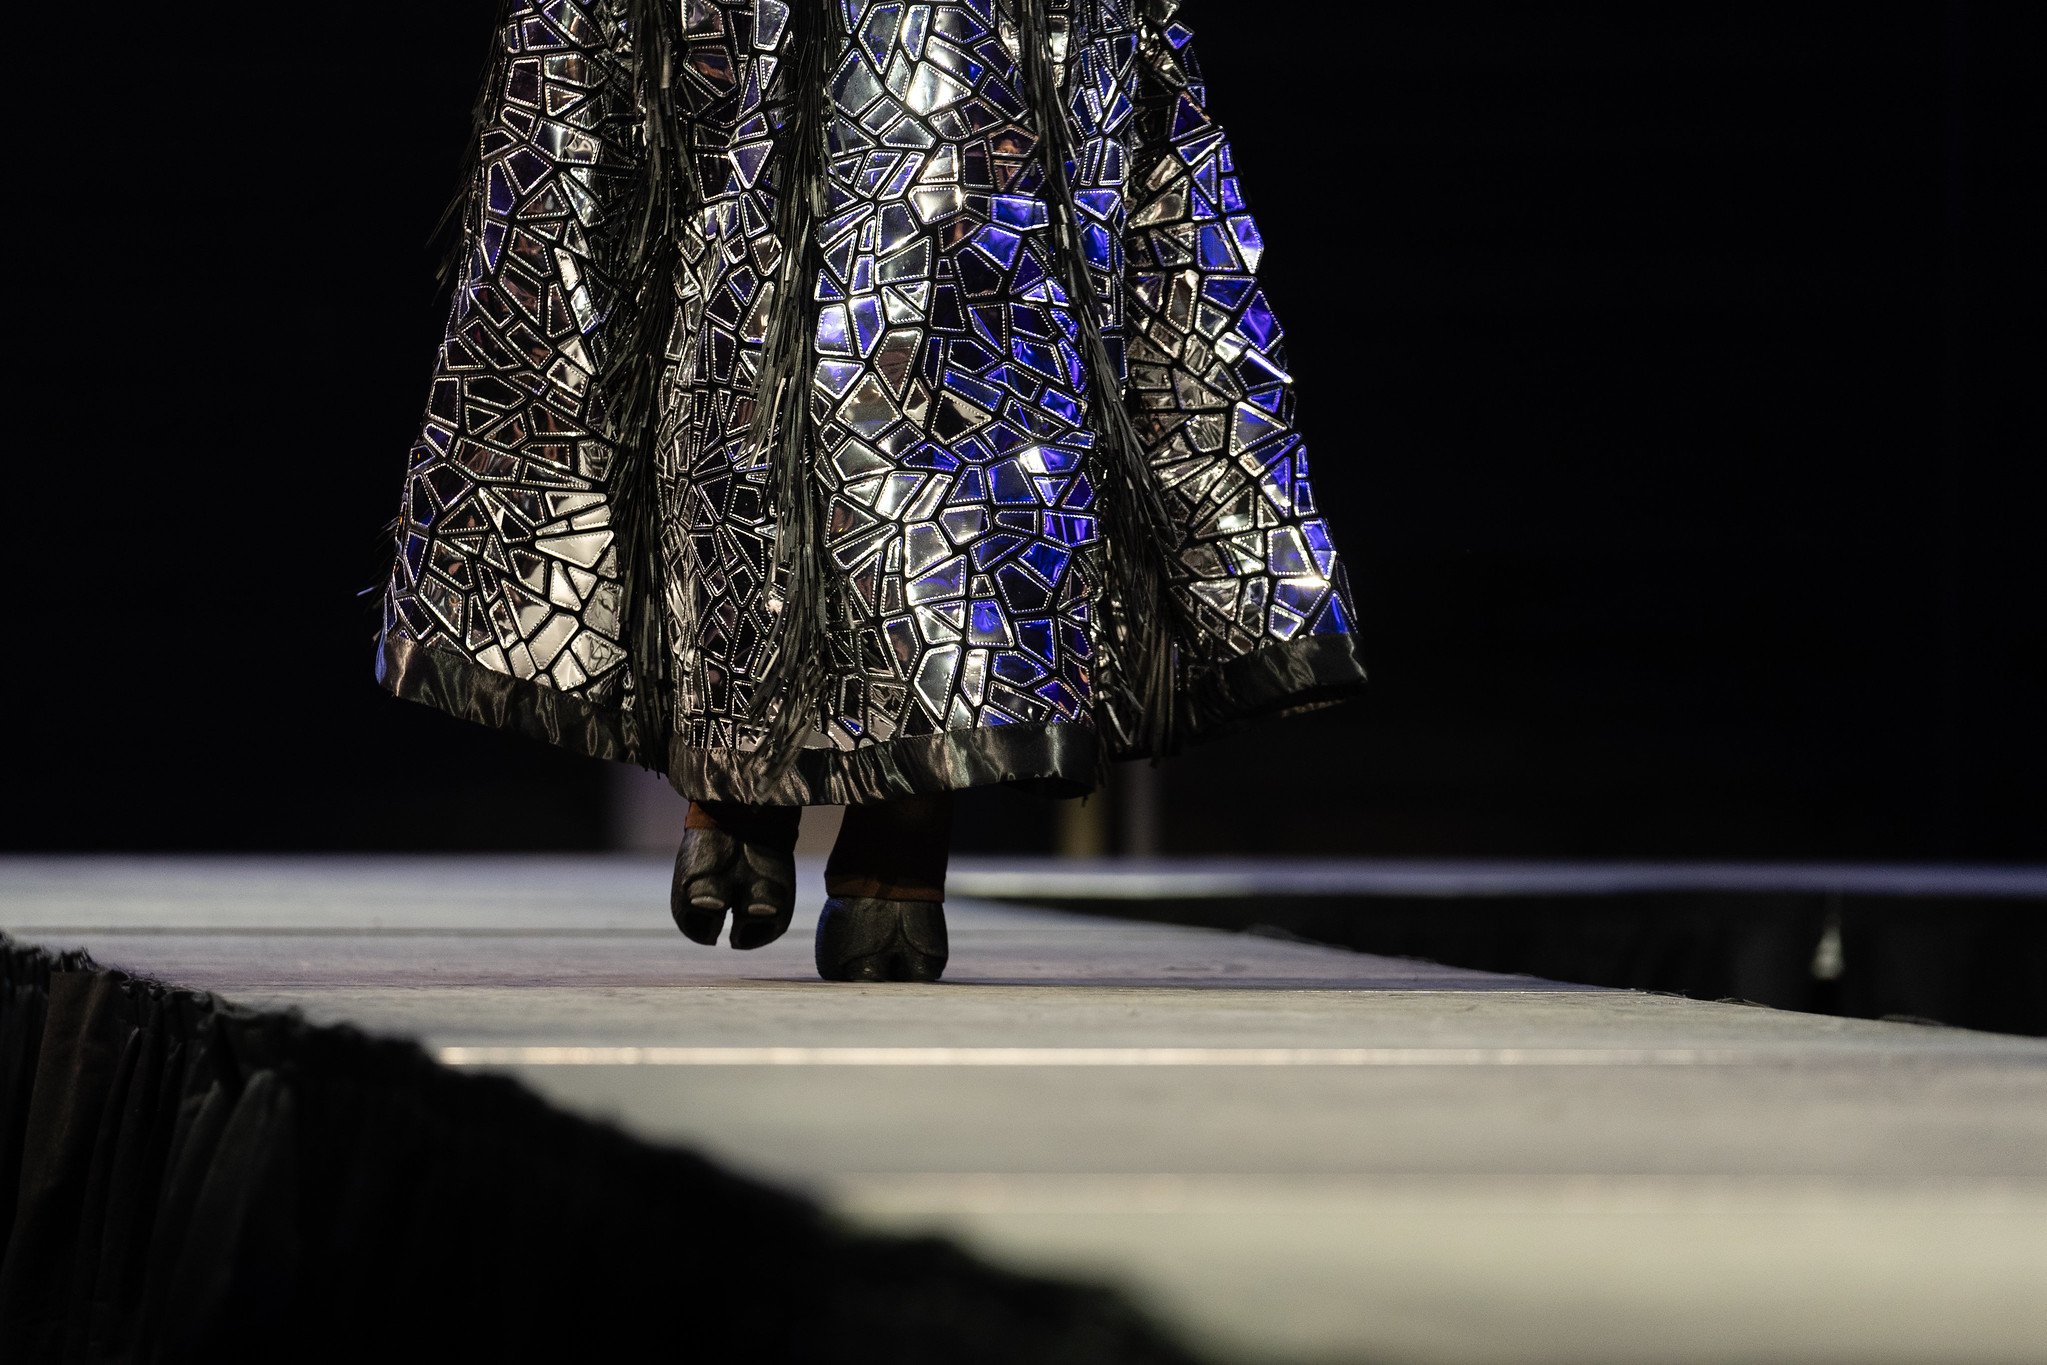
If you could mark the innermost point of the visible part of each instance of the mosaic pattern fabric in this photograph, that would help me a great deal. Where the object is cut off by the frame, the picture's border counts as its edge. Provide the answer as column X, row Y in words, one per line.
column 949, row 401
column 505, row 550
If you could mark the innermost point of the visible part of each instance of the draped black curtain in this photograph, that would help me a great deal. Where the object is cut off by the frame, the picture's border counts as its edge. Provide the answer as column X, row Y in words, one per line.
column 183, row 1179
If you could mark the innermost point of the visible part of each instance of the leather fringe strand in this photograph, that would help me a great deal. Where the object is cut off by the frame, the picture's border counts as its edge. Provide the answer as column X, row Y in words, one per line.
column 798, row 666
column 1144, row 617
column 633, row 371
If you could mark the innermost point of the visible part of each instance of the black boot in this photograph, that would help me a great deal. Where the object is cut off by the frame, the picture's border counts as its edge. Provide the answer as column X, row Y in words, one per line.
column 863, row 939
column 715, row 872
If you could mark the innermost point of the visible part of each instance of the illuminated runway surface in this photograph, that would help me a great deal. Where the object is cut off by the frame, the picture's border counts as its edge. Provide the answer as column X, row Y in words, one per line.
column 1288, row 1152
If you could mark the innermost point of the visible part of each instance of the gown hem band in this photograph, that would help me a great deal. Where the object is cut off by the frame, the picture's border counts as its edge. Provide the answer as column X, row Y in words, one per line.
column 1055, row 759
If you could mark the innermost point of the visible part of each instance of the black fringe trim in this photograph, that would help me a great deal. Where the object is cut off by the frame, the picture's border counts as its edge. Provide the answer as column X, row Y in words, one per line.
column 1142, row 620
column 798, row 667
column 634, row 368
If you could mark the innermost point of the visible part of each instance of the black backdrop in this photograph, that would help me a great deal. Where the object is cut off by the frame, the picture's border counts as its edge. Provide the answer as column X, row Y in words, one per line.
column 1670, row 370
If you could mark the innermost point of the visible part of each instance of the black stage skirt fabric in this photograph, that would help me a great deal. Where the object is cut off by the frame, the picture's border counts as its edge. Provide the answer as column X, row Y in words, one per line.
column 184, row 1179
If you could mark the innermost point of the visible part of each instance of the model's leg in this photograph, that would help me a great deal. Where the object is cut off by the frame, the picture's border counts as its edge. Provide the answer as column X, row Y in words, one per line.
column 769, row 826
column 739, row 858
column 884, row 919
column 893, row 850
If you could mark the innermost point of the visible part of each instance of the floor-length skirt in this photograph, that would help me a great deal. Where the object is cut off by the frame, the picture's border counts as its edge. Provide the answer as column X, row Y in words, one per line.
column 843, row 400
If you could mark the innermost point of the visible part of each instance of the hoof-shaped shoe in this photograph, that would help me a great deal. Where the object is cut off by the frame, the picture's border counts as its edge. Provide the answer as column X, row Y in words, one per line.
column 864, row 939
column 716, row 872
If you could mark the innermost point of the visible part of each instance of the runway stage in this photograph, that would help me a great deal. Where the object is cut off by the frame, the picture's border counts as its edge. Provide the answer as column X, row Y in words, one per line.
column 1284, row 1151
